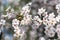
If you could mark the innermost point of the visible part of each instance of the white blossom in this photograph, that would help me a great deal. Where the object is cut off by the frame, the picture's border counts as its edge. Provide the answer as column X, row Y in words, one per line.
column 52, row 22
column 49, row 20
column 26, row 20
column 45, row 14
column 31, row 20
column 51, row 15
column 58, row 18
column 15, row 22
column 25, row 10
column 17, row 30
column 36, row 22
column 36, row 18
column 40, row 11
column 19, row 33
column 58, row 8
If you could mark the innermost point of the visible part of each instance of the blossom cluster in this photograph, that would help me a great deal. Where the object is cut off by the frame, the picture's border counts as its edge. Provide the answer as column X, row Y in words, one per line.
column 50, row 20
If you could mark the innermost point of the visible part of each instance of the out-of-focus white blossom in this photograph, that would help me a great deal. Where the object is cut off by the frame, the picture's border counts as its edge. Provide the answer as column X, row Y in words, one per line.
column 36, row 22
column 29, row 3
column 58, row 18
column 49, row 20
column 2, row 22
column 42, row 38
column 7, row 37
column 50, row 31
column 45, row 14
column 58, row 11
column 58, row 6
column 10, row 13
column 17, row 30
column 2, row 16
column 33, row 34
column 58, row 30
